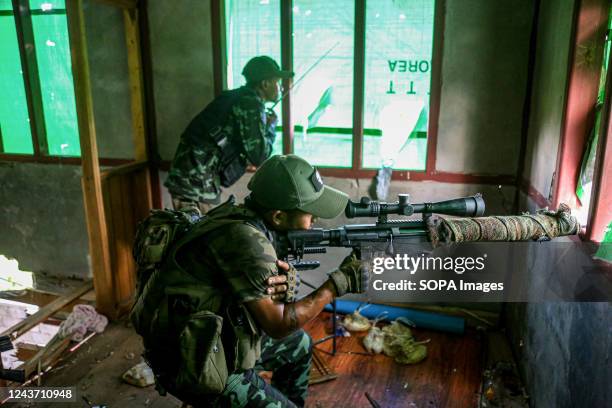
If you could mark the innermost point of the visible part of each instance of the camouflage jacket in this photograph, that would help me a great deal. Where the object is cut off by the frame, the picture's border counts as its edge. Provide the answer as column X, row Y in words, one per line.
column 236, row 261
column 240, row 115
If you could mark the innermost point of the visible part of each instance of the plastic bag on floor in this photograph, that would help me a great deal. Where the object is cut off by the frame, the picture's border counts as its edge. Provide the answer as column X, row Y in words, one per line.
column 140, row 375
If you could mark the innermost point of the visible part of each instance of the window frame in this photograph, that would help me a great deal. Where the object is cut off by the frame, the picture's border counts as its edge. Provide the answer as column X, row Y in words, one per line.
column 29, row 65
column 356, row 170
column 590, row 21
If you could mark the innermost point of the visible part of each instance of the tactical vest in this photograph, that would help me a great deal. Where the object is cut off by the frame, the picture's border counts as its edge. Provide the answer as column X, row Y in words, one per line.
column 211, row 122
column 192, row 333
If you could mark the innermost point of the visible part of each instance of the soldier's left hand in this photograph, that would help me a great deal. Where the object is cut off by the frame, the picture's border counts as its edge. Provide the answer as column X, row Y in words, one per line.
column 284, row 286
column 277, row 287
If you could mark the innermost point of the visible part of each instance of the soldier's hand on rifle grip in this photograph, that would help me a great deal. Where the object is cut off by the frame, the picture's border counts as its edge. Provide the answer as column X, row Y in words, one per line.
column 352, row 276
column 284, row 287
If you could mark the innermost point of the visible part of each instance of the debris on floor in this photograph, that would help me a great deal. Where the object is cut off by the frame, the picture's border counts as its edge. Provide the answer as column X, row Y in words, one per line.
column 140, row 375
column 80, row 320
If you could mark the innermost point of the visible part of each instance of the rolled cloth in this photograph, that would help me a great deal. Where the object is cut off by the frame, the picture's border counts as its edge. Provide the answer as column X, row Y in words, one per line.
column 544, row 223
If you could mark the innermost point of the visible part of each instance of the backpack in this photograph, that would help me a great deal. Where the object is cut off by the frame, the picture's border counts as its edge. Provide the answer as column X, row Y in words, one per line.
column 154, row 235
column 180, row 319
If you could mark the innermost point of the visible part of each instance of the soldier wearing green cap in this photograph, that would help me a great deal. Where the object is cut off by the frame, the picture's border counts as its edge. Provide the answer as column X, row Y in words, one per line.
column 219, row 308
column 235, row 129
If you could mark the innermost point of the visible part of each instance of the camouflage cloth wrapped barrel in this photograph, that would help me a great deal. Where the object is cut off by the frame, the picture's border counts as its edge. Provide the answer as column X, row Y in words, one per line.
column 549, row 224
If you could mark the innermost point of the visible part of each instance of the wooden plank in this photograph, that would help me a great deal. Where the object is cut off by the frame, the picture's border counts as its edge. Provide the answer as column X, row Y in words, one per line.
column 115, row 225
column 217, row 27
column 44, row 312
column 40, row 299
column 150, row 116
column 124, row 4
column 144, row 194
column 125, row 283
column 123, row 169
column 132, row 39
column 92, row 189
column 45, row 356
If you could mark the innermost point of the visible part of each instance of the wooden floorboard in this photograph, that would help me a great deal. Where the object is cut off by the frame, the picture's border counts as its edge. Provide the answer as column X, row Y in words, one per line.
column 449, row 377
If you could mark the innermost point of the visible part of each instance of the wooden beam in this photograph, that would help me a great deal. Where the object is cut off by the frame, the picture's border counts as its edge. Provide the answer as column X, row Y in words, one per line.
column 124, row 4
column 44, row 312
column 132, row 39
column 123, row 169
column 92, row 190
column 217, row 26
column 533, row 43
column 62, row 160
column 149, row 98
column 52, row 350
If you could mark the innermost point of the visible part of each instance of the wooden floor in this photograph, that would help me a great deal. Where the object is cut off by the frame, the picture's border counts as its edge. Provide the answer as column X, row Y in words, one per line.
column 449, row 377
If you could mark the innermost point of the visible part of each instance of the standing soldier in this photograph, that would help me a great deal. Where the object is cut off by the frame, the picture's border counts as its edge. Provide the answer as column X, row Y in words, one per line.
column 233, row 130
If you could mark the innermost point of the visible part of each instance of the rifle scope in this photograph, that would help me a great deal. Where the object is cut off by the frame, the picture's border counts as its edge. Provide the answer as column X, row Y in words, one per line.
column 472, row 206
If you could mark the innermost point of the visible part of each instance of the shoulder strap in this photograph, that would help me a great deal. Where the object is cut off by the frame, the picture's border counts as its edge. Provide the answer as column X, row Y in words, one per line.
column 223, row 215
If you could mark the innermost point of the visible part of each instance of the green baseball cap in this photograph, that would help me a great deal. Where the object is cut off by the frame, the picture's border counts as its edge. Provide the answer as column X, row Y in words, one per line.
column 263, row 67
column 290, row 182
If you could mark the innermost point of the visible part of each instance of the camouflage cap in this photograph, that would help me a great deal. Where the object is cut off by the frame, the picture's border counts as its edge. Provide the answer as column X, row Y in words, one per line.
column 263, row 67
column 290, row 182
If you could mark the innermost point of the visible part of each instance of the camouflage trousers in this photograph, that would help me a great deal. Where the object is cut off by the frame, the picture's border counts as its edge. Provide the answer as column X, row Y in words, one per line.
column 289, row 359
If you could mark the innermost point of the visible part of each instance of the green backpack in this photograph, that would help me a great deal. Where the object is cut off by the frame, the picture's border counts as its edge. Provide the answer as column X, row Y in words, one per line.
column 180, row 318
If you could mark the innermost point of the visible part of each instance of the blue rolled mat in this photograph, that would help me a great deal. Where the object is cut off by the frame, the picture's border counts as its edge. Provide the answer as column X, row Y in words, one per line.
column 426, row 320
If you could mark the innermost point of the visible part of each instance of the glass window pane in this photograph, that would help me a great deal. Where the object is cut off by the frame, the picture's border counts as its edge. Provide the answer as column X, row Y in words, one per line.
column 14, row 118
column 55, row 73
column 48, row 5
column 322, row 102
column 399, row 44
column 253, row 28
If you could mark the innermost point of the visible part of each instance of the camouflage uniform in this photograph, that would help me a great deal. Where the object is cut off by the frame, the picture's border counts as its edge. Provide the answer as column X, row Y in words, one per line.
column 289, row 359
column 241, row 272
column 197, row 165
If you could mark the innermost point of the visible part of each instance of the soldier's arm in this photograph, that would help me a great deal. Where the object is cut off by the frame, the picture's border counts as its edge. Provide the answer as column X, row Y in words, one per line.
column 280, row 319
column 256, row 134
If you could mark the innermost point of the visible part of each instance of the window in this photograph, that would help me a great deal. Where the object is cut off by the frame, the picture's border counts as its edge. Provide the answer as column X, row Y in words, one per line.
column 15, row 136
column 322, row 102
column 399, row 44
column 253, row 28
column 395, row 79
column 50, row 91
